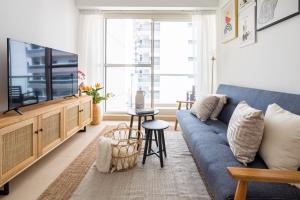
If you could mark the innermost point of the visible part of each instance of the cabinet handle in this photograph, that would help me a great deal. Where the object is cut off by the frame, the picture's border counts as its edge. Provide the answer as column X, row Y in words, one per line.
column 41, row 130
column 81, row 110
column 36, row 132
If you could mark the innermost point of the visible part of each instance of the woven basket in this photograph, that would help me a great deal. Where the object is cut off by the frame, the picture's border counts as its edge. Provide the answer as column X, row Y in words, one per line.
column 126, row 147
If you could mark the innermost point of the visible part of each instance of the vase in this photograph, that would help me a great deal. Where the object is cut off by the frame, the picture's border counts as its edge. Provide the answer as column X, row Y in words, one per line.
column 97, row 114
column 140, row 99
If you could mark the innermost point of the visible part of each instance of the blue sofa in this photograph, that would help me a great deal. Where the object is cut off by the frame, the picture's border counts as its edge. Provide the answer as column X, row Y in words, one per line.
column 209, row 146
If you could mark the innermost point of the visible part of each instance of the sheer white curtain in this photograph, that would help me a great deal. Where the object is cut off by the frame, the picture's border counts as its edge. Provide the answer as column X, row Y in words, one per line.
column 91, row 46
column 204, row 34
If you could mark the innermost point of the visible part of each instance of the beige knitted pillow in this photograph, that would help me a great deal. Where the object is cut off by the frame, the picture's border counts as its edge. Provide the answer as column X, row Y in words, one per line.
column 204, row 107
column 245, row 132
column 222, row 101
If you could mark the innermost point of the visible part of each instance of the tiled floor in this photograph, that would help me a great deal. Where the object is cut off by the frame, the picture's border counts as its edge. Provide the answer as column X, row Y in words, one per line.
column 33, row 181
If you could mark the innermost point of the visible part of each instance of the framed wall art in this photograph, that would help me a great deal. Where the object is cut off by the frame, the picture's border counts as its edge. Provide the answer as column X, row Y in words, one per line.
column 271, row 12
column 229, row 21
column 247, row 25
column 244, row 3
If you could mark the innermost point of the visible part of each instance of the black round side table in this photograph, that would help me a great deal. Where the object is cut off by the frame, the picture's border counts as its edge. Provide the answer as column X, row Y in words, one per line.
column 151, row 127
column 132, row 112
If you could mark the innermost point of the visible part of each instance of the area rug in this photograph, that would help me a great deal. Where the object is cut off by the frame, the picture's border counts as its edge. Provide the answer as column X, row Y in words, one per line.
column 179, row 179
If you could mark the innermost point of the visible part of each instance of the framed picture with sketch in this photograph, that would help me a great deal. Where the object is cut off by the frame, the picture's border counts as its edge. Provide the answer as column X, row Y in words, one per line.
column 271, row 12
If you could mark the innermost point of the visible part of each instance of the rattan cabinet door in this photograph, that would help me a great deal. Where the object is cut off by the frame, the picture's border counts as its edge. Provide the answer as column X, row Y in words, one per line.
column 18, row 144
column 72, row 121
column 50, row 131
column 86, row 112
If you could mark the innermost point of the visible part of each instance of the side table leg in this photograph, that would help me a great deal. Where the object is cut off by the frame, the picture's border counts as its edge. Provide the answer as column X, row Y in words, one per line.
column 155, row 136
column 139, row 123
column 146, row 146
column 150, row 132
column 130, row 126
column 160, row 149
column 164, row 143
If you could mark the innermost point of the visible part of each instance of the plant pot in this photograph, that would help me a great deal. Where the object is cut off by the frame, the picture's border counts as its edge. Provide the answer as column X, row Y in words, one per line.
column 97, row 114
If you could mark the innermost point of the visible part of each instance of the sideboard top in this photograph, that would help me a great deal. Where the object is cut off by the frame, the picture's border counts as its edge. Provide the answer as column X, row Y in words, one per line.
column 38, row 109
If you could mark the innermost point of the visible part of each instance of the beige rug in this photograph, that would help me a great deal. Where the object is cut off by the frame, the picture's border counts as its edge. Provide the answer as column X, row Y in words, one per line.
column 179, row 179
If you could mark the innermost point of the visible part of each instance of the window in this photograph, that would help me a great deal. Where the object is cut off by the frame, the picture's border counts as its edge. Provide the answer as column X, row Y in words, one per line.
column 129, row 66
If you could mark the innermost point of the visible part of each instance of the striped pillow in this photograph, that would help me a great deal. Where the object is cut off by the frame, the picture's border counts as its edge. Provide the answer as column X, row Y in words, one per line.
column 245, row 132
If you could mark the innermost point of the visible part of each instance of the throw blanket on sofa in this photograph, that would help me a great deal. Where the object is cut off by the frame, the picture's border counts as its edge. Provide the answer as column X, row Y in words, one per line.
column 104, row 153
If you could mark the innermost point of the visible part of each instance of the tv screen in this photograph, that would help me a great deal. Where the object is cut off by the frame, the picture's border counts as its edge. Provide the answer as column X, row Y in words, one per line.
column 26, row 74
column 64, row 74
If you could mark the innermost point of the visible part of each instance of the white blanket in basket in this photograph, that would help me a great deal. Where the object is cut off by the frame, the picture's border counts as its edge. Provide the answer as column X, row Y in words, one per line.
column 103, row 154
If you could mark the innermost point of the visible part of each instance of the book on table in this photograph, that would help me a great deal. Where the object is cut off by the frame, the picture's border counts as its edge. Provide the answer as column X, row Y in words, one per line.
column 144, row 111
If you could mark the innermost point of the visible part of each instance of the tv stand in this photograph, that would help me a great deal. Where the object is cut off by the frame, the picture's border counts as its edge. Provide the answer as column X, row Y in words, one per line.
column 15, row 109
column 39, row 130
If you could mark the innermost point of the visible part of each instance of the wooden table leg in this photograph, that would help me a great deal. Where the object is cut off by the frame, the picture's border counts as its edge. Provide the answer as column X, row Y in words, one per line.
column 176, row 121
column 241, row 190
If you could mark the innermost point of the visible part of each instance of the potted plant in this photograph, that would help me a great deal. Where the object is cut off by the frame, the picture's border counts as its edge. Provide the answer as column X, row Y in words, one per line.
column 97, row 99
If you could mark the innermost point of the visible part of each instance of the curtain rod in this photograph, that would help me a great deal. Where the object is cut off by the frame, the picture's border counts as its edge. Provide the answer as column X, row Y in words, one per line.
column 99, row 11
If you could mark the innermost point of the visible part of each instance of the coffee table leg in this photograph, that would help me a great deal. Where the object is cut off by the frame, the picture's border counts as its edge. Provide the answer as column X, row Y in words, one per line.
column 164, row 143
column 146, row 146
column 160, row 149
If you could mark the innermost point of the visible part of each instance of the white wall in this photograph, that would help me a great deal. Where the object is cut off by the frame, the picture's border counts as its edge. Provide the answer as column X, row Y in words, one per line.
column 147, row 3
column 51, row 23
column 273, row 63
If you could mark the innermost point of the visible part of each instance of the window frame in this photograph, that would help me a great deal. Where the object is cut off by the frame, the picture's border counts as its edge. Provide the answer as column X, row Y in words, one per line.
column 168, row 16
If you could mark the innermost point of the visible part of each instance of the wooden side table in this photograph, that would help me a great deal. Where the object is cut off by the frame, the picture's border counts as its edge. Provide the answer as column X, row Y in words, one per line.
column 188, row 105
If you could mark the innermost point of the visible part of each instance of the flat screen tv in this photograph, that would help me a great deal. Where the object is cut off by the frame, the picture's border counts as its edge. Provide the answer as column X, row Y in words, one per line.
column 37, row 74
column 64, row 67
column 26, row 74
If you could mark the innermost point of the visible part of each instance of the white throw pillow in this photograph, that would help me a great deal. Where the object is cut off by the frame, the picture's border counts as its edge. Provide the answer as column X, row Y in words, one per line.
column 204, row 107
column 280, row 148
column 245, row 132
column 222, row 101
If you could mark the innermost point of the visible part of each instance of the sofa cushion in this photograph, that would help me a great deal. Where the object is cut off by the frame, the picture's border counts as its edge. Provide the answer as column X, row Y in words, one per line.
column 282, row 129
column 245, row 132
column 196, row 132
column 222, row 101
column 203, row 108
